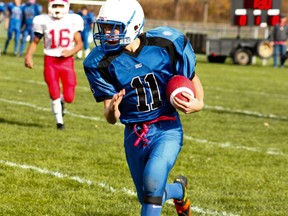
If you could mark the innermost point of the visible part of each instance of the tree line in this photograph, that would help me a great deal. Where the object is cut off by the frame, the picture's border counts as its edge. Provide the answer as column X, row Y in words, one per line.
column 210, row 11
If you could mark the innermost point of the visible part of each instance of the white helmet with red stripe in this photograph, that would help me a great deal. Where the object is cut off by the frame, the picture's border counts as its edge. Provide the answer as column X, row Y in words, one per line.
column 58, row 8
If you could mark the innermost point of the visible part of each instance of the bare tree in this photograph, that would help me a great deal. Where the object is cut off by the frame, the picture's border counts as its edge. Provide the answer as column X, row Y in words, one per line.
column 177, row 10
column 205, row 11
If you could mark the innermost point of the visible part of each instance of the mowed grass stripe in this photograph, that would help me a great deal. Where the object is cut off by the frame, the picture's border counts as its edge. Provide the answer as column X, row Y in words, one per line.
column 272, row 151
column 104, row 185
column 235, row 161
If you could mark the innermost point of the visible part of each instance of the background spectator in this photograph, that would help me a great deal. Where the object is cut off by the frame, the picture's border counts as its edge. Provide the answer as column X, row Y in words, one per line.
column 278, row 39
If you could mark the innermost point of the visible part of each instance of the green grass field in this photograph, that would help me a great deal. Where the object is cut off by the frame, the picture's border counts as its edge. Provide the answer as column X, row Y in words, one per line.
column 235, row 150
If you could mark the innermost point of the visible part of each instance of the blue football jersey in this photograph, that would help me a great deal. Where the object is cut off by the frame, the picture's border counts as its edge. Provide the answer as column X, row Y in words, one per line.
column 15, row 15
column 163, row 53
column 29, row 12
column 88, row 19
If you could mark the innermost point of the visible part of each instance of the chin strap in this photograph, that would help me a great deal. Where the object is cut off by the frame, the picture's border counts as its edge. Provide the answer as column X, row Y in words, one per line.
column 145, row 128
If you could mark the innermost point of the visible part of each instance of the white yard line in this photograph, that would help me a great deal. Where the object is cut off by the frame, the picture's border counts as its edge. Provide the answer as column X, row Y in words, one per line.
column 268, row 95
column 270, row 151
column 80, row 180
column 246, row 112
column 42, row 83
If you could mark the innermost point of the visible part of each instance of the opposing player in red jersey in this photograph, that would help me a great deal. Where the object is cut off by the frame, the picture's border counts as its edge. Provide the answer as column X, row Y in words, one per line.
column 62, row 39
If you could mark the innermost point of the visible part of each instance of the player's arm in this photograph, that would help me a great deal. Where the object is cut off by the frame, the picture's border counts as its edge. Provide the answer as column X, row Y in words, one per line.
column 6, row 24
column 194, row 104
column 8, row 15
column 31, row 50
column 111, row 107
column 78, row 45
column 199, row 93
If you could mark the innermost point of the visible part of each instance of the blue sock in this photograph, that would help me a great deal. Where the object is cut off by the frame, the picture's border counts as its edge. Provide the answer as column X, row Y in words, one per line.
column 151, row 210
column 173, row 191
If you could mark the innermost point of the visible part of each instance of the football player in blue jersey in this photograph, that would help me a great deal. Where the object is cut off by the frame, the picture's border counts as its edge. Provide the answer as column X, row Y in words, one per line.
column 30, row 10
column 2, row 11
column 13, row 24
column 128, row 71
column 89, row 19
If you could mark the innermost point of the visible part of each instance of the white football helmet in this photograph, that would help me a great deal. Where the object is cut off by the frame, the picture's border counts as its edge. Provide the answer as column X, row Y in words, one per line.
column 125, row 15
column 58, row 12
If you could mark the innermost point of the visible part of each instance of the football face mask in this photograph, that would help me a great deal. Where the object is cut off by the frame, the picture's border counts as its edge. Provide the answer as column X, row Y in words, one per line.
column 111, row 35
column 58, row 8
column 125, row 19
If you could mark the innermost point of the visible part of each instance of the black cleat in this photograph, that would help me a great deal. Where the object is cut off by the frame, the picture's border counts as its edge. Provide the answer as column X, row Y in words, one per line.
column 60, row 126
column 183, row 207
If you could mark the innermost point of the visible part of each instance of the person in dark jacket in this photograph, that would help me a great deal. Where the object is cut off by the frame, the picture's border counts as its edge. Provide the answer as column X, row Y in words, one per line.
column 278, row 39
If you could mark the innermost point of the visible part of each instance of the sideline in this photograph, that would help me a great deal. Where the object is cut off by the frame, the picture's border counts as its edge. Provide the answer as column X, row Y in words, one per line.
column 102, row 185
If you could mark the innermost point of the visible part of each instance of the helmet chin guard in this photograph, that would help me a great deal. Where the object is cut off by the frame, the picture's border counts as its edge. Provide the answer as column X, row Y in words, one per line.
column 126, row 16
column 58, row 8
